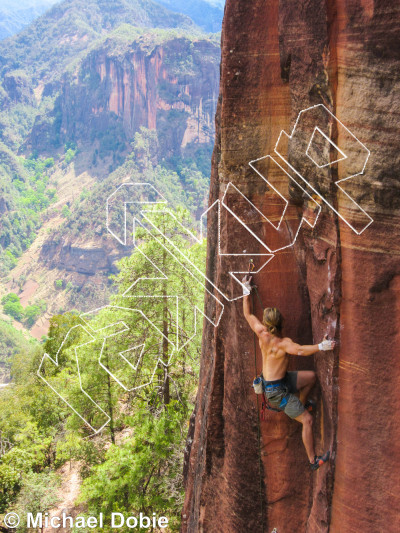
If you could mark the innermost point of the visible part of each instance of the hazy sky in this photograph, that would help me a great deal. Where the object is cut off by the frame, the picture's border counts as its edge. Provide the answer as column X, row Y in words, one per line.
column 24, row 4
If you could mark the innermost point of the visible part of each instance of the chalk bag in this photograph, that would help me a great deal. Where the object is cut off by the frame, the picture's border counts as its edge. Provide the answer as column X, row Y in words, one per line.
column 258, row 385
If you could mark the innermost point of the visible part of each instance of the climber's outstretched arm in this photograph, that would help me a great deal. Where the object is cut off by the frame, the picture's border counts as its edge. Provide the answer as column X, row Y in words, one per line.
column 306, row 349
column 297, row 349
column 252, row 320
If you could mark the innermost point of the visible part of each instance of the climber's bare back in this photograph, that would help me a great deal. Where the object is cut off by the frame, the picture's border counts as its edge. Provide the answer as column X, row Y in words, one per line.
column 275, row 358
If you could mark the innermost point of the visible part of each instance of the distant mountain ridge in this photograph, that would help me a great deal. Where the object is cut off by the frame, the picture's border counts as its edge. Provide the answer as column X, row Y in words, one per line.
column 14, row 16
column 46, row 47
column 207, row 14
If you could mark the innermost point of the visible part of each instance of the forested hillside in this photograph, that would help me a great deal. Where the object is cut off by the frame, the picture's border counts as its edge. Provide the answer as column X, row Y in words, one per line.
column 92, row 94
column 118, row 422
column 94, row 413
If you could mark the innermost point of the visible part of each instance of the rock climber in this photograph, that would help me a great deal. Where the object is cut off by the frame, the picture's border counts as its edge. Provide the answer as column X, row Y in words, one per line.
column 286, row 391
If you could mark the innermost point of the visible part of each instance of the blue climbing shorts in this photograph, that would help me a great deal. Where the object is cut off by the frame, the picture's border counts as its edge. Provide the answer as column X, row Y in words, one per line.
column 281, row 394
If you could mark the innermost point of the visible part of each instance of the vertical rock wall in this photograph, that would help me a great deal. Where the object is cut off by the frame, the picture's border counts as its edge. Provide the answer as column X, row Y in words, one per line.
column 278, row 58
column 145, row 86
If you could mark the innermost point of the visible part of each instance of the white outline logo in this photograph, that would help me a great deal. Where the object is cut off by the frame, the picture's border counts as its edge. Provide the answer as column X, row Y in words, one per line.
column 145, row 194
column 355, row 168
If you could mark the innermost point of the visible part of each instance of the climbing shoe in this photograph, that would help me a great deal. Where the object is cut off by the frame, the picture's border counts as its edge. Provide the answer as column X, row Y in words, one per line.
column 310, row 406
column 319, row 460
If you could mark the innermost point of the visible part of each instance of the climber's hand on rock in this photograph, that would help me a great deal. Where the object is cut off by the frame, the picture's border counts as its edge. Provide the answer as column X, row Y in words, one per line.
column 246, row 285
column 326, row 345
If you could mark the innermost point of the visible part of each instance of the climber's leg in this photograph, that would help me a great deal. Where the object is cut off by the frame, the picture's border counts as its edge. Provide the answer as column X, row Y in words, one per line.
column 305, row 382
column 308, row 440
column 307, row 434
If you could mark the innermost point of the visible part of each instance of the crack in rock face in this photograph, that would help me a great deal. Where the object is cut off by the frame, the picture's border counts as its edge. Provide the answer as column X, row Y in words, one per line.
column 341, row 276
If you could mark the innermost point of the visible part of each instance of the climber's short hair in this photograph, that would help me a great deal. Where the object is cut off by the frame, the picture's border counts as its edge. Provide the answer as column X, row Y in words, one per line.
column 273, row 320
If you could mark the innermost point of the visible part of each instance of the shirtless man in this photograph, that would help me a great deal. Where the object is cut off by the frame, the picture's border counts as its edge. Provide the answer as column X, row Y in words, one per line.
column 281, row 387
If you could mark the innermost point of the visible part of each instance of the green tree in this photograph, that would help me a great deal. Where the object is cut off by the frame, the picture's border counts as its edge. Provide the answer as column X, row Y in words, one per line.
column 144, row 474
column 30, row 443
column 31, row 416
column 38, row 494
column 31, row 314
column 10, row 484
column 69, row 155
column 12, row 306
column 66, row 212
column 155, row 255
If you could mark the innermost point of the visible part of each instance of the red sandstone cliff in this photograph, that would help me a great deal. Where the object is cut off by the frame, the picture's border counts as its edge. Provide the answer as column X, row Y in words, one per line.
column 153, row 79
column 278, row 58
column 170, row 86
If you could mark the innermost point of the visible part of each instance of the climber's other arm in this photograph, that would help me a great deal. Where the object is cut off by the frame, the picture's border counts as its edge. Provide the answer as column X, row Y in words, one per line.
column 252, row 320
column 293, row 348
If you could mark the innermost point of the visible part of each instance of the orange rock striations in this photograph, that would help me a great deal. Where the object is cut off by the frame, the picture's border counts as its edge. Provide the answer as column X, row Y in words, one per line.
column 341, row 276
